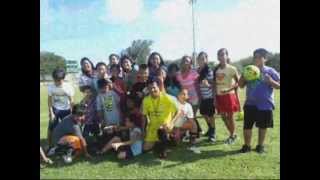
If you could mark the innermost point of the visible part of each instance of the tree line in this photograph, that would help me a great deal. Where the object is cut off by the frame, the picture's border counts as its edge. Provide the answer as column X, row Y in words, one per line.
column 139, row 50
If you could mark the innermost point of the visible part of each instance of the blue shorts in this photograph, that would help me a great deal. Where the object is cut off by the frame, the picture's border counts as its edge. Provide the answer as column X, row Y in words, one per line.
column 59, row 115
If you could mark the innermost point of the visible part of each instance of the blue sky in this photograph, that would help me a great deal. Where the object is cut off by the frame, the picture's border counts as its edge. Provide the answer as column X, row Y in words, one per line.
column 96, row 28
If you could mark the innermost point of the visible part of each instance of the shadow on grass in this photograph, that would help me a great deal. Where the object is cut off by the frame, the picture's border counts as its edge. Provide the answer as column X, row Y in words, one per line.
column 183, row 157
column 179, row 154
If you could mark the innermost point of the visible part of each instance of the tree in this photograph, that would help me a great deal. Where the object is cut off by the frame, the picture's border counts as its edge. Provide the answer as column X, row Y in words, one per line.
column 274, row 61
column 49, row 61
column 138, row 51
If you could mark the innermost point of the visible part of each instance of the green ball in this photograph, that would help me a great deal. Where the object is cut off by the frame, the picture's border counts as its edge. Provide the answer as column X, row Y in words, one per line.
column 251, row 73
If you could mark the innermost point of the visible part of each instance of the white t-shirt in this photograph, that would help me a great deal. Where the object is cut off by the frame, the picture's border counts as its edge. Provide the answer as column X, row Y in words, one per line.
column 60, row 95
column 186, row 110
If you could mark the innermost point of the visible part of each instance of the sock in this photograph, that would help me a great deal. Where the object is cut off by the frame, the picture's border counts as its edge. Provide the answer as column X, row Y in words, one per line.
column 213, row 131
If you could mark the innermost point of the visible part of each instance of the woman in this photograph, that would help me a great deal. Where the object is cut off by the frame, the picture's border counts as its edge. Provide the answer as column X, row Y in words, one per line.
column 188, row 78
column 155, row 62
column 88, row 73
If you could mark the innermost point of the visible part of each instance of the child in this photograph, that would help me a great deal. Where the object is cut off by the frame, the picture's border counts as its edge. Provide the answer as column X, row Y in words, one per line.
column 205, row 81
column 67, row 136
column 126, row 149
column 140, row 88
column 91, row 123
column 185, row 121
column 226, row 79
column 133, row 111
column 114, row 60
column 108, row 107
column 188, row 80
column 155, row 62
column 101, row 74
column 88, row 73
column 118, row 84
column 129, row 73
column 44, row 158
column 59, row 100
column 259, row 101
column 171, row 83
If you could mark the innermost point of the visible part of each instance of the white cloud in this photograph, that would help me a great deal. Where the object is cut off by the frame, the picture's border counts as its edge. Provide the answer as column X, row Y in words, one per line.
column 122, row 11
column 250, row 25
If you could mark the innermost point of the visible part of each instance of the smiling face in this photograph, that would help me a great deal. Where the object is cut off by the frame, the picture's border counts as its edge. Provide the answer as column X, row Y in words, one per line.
column 155, row 61
column 223, row 57
column 202, row 61
column 259, row 60
column 114, row 60
column 154, row 90
column 127, row 65
column 144, row 74
column 183, row 95
column 86, row 66
column 102, row 70
column 79, row 119
column 186, row 64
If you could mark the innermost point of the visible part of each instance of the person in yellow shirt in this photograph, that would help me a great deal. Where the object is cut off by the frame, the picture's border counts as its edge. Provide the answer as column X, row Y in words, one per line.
column 159, row 109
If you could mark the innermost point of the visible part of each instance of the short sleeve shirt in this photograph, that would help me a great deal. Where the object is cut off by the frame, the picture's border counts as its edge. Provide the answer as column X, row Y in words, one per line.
column 60, row 95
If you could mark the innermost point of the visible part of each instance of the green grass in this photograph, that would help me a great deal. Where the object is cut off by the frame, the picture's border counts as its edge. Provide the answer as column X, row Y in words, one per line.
column 217, row 161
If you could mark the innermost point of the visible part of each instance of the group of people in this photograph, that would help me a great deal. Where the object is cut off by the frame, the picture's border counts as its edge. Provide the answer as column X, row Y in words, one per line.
column 131, row 109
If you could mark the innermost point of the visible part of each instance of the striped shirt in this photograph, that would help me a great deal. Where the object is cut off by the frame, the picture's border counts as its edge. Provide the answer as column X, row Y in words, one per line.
column 205, row 91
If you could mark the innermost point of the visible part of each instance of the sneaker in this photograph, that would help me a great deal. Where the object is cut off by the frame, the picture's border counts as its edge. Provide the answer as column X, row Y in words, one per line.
column 163, row 155
column 245, row 149
column 260, row 149
column 212, row 139
column 194, row 149
column 52, row 151
column 231, row 139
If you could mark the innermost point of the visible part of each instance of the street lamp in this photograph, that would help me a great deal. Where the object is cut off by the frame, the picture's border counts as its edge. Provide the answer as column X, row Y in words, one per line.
column 192, row 2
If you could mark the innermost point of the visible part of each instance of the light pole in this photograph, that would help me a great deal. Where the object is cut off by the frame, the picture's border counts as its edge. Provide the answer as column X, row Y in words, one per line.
column 192, row 2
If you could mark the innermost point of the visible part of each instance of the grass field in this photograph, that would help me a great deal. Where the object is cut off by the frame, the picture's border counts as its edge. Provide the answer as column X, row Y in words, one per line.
column 217, row 161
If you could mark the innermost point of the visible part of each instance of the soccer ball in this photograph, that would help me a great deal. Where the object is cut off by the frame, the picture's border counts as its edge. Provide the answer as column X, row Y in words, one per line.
column 251, row 73
column 67, row 159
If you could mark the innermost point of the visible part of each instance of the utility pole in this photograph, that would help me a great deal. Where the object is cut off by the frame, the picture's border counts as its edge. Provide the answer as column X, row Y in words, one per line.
column 194, row 54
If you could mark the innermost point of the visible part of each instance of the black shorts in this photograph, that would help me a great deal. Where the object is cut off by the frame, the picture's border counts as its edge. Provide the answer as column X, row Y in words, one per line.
column 207, row 107
column 127, row 150
column 262, row 118
column 91, row 129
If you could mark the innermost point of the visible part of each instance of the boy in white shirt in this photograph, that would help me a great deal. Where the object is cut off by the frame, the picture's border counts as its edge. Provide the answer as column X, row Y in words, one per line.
column 60, row 99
